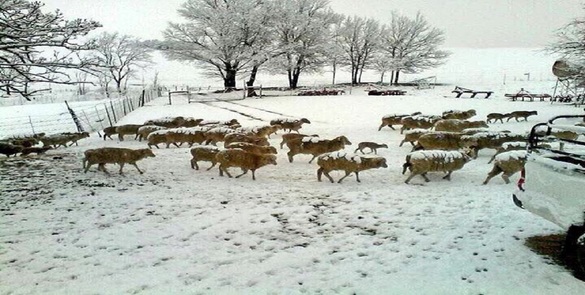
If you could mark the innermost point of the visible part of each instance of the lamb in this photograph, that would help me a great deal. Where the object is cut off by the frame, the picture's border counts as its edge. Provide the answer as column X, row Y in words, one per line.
column 121, row 156
column 240, row 137
column 418, row 122
column 371, row 145
column 455, row 125
column 290, row 124
column 145, row 130
column 315, row 146
column 9, row 149
column 507, row 163
column 252, row 148
column 497, row 116
column 422, row 162
column 292, row 136
column 521, row 114
column 347, row 163
column 168, row 122
column 245, row 160
column 204, row 153
column 127, row 130
column 109, row 131
column 461, row 115
column 413, row 135
column 394, row 119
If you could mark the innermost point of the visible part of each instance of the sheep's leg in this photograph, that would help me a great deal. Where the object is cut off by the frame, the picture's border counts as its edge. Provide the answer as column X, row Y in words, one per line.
column 311, row 161
column 328, row 176
column 375, row 151
column 382, row 125
column 282, row 144
column 120, row 137
column 122, row 167
column 319, row 173
column 495, row 171
column 424, row 175
column 410, row 177
column 87, row 167
column 357, row 176
column 177, row 145
column 403, row 141
column 102, row 167
column 290, row 156
column 136, row 137
column 84, row 161
column 224, row 169
column 194, row 164
column 213, row 165
column 253, row 174
column 506, row 177
column 141, row 172
column 245, row 171
column 448, row 176
column 347, row 173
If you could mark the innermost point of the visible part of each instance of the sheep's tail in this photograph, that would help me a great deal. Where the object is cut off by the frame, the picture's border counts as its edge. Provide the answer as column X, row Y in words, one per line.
column 406, row 165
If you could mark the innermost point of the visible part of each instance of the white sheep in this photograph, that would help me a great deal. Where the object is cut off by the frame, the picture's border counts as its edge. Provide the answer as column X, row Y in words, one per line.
column 422, row 162
column 507, row 163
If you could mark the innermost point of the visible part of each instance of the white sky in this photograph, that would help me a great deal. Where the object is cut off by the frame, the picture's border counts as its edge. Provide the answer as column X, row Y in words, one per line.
column 466, row 23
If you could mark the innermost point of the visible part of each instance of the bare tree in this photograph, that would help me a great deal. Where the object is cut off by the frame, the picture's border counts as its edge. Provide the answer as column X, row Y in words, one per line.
column 120, row 56
column 571, row 48
column 26, row 35
column 412, row 45
column 359, row 39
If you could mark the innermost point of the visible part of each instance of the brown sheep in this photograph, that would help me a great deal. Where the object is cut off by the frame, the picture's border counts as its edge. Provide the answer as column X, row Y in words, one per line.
column 128, row 129
column 521, row 114
column 496, row 116
column 290, row 125
column 413, row 135
column 461, row 115
column 456, row 125
column 315, row 147
column 348, row 163
column 191, row 122
column 9, row 149
column 156, row 137
column 259, row 131
column 491, row 140
column 120, row 156
column 145, row 130
column 168, row 122
column 418, row 122
column 75, row 136
column 245, row 160
column 252, row 148
column 507, row 163
column 217, row 134
column 442, row 141
column 178, row 136
column 394, row 119
column 232, row 122
column 35, row 150
column 370, row 145
column 240, row 137
column 62, row 139
column 292, row 136
column 204, row 153
column 109, row 131
column 422, row 162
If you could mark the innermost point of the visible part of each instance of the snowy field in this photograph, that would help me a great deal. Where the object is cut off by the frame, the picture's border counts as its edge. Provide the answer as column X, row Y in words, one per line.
column 177, row 230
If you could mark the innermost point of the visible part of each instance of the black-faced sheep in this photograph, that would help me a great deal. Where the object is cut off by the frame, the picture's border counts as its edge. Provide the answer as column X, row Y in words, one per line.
column 507, row 163
column 456, row 125
column 120, row 156
column 422, row 162
column 315, row 146
column 293, row 136
column 204, row 153
column 244, row 160
column 348, row 163
column 370, row 145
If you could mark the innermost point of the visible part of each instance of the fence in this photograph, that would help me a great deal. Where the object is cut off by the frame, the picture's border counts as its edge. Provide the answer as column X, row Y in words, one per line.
column 68, row 117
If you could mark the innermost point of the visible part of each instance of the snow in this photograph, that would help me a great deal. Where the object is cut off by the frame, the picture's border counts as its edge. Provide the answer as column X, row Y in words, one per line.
column 175, row 230
column 507, row 156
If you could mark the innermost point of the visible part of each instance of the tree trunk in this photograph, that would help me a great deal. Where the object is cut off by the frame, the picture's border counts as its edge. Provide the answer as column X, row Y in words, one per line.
column 354, row 72
column 334, row 71
column 382, row 78
column 391, row 78
column 250, row 82
column 294, row 78
column 229, row 81
column 396, row 76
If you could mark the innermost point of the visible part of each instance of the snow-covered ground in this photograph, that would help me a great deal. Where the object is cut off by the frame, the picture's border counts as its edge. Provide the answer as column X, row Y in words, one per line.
column 177, row 230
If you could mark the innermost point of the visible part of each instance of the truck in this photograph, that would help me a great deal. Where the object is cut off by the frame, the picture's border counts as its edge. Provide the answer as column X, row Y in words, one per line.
column 552, row 183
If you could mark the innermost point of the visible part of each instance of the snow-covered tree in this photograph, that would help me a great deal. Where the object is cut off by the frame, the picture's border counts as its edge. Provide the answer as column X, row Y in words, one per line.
column 359, row 38
column 26, row 35
column 334, row 53
column 412, row 45
column 302, row 33
column 120, row 56
column 570, row 46
column 217, row 36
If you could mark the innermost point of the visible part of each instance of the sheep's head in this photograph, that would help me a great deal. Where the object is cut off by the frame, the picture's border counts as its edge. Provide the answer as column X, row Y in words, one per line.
column 343, row 140
column 472, row 112
column 469, row 153
column 147, row 153
column 271, row 159
column 305, row 120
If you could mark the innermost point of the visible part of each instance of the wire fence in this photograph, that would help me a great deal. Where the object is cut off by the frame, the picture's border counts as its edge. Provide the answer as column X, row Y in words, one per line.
column 69, row 117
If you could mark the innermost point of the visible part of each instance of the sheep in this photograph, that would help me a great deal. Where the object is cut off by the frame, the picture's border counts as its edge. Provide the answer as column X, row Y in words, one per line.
column 217, row 134
column 422, row 162
column 245, row 160
column 240, row 137
column 290, row 124
column 491, row 140
column 394, row 119
column 9, row 149
column 348, row 163
column 507, row 163
column 75, row 136
column 156, row 137
column 37, row 150
column 145, row 130
column 418, row 122
column 109, row 131
column 204, row 153
column 442, row 141
column 413, row 135
column 456, row 125
column 127, row 130
column 168, row 122
column 178, row 136
column 252, row 148
column 371, row 145
column 521, row 114
column 191, row 122
column 292, row 136
column 120, row 156
column 231, row 123
column 259, row 131
column 562, row 134
column 27, row 141
column 461, row 115
column 496, row 117
column 315, row 147
column 61, row 139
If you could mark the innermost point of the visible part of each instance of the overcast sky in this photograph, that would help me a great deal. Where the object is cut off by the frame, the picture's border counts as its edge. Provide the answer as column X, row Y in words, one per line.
column 466, row 23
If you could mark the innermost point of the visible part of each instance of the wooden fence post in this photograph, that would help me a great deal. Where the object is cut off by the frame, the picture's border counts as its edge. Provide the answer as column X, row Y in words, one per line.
column 108, row 114
column 74, row 117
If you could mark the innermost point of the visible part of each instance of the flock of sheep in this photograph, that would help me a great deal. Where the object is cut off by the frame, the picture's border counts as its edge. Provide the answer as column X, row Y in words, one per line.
column 440, row 144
